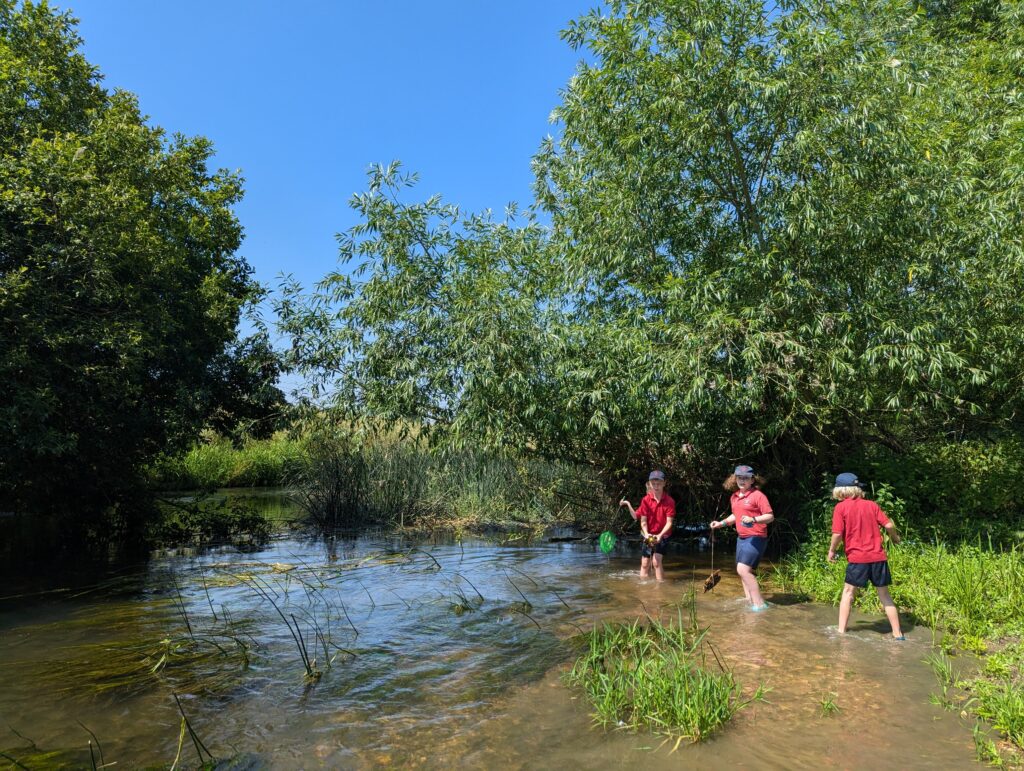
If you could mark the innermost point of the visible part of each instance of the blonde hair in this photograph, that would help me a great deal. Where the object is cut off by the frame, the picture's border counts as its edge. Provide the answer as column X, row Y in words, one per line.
column 730, row 483
column 851, row 491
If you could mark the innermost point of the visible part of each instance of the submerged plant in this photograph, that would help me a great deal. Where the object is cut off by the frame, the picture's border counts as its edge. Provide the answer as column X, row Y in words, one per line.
column 828, row 704
column 657, row 677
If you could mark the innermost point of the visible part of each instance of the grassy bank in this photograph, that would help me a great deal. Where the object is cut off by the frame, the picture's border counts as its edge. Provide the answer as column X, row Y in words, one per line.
column 216, row 462
column 348, row 478
column 971, row 596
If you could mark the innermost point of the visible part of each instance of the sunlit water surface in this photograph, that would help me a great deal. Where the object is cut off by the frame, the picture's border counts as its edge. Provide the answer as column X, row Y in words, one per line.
column 437, row 653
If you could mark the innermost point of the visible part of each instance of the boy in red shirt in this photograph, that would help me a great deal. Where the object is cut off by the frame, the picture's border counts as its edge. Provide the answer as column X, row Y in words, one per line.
column 855, row 522
column 656, row 512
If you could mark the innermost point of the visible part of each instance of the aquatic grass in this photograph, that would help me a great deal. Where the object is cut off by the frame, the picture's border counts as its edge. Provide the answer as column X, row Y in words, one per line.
column 186, row 725
column 309, row 663
column 986, row 750
column 656, row 677
column 942, row 667
column 198, row 663
column 828, row 704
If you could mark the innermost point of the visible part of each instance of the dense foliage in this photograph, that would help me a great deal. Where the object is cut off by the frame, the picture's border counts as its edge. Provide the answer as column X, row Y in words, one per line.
column 776, row 235
column 120, row 286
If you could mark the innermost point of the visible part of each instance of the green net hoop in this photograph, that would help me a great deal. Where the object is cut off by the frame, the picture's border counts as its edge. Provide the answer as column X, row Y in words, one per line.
column 607, row 541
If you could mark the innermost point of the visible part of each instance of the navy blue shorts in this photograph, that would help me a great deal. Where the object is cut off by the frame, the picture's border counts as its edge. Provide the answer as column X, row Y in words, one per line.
column 749, row 550
column 859, row 573
column 658, row 548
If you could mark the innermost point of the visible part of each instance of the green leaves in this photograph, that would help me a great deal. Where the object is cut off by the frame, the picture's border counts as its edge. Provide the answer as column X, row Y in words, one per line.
column 771, row 235
column 120, row 289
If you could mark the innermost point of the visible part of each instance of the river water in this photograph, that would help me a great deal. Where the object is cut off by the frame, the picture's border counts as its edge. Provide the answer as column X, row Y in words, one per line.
column 433, row 653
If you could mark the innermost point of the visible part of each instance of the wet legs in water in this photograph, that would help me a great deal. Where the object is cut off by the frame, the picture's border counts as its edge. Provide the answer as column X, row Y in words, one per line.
column 645, row 564
column 750, row 588
column 846, row 603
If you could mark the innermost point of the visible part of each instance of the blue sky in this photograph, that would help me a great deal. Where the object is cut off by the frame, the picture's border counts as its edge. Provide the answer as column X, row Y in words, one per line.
column 303, row 97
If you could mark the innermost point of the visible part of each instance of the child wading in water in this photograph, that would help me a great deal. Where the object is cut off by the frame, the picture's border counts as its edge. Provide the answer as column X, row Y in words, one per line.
column 656, row 512
column 751, row 513
column 855, row 522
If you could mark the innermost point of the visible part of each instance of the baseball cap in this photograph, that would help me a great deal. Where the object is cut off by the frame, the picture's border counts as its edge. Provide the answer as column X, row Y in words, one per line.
column 744, row 471
column 656, row 475
column 846, row 479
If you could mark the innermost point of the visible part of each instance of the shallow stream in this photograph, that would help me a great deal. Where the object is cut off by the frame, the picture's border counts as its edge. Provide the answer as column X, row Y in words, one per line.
column 433, row 653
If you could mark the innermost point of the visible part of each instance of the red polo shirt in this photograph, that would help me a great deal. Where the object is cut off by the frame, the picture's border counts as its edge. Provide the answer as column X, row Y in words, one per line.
column 857, row 520
column 657, row 512
column 752, row 503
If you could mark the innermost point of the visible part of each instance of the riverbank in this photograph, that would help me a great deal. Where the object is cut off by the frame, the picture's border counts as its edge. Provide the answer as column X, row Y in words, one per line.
column 971, row 598
column 349, row 479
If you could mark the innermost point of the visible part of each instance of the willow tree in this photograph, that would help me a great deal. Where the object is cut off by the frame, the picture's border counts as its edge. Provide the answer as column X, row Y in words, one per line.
column 773, row 230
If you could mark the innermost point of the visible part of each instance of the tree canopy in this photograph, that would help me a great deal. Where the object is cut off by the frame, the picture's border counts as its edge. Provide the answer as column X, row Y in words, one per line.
column 764, row 231
column 120, row 285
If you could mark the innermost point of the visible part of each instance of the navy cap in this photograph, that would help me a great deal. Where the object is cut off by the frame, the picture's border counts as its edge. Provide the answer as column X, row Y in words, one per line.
column 846, row 479
column 656, row 475
column 743, row 471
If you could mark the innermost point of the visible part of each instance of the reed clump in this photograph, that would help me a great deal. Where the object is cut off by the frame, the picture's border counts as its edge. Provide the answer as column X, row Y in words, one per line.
column 647, row 675
column 353, row 476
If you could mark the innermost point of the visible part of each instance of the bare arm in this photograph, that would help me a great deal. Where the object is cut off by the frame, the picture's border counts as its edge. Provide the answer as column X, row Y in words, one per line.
column 731, row 519
column 837, row 538
column 890, row 528
column 666, row 529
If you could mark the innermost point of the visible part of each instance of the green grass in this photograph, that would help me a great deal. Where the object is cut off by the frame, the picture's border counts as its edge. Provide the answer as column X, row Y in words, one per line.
column 997, row 693
column 656, row 677
column 218, row 463
column 828, row 704
column 973, row 593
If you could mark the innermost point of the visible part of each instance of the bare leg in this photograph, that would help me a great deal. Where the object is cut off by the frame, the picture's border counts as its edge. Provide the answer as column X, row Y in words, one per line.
column 645, row 563
column 890, row 610
column 845, row 604
column 658, row 573
column 750, row 587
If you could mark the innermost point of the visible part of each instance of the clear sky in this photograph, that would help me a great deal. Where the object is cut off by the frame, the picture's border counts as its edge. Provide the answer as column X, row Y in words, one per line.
column 303, row 96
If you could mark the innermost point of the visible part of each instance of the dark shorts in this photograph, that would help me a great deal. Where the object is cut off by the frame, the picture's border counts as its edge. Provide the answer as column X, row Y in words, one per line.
column 659, row 548
column 750, row 550
column 859, row 573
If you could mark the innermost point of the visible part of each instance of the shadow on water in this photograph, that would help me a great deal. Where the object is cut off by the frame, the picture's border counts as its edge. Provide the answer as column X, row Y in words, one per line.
column 366, row 650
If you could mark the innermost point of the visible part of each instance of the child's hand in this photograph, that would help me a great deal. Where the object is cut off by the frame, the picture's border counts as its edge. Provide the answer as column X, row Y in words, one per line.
column 831, row 555
column 748, row 521
column 715, row 524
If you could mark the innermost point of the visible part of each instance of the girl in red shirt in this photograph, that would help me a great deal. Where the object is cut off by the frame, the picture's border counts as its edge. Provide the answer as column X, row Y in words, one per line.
column 856, row 523
column 751, row 513
column 656, row 512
